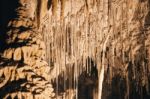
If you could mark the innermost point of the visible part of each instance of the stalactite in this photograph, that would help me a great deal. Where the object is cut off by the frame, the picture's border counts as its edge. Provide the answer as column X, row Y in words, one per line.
column 76, row 60
column 54, row 7
column 127, row 83
column 62, row 8
column 88, row 39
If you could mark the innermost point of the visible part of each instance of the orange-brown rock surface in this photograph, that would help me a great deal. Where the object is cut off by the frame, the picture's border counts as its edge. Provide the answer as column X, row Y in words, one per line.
column 83, row 49
column 24, row 73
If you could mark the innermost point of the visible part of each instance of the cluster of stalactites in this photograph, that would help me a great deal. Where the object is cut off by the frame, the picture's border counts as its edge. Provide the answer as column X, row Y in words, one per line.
column 106, row 31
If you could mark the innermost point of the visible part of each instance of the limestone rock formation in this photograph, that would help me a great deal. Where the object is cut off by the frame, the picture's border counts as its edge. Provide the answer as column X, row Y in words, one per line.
column 114, row 34
column 24, row 73
column 76, row 49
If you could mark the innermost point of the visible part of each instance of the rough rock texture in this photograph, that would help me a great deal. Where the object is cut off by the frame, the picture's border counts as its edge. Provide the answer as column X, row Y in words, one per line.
column 96, row 49
column 23, row 69
column 113, row 33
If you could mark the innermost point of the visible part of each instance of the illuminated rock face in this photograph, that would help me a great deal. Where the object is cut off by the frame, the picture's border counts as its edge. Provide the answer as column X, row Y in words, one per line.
column 95, row 47
column 23, row 69
column 114, row 34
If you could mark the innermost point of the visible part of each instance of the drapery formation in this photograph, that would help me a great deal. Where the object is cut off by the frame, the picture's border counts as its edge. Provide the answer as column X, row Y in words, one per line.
column 95, row 49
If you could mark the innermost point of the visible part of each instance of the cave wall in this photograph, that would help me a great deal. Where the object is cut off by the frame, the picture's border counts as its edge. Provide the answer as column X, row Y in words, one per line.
column 23, row 68
column 113, row 33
